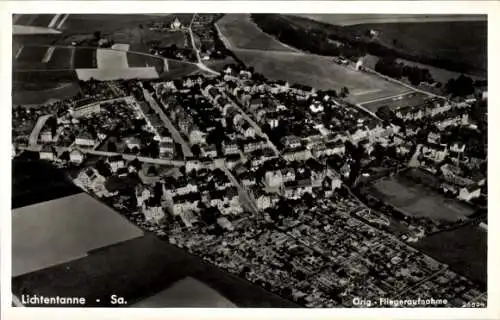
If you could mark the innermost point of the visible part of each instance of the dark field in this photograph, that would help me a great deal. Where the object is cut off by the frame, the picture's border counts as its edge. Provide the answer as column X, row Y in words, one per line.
column 462, row 42
column 464, row 249
column 38, row 20
column 242, row 33
column 177, row 69
column 85, row 58
column 30, row 54
column 417, row 200
column 62, row 58
column 138, row 60
column 35, row 181
column 135, row 270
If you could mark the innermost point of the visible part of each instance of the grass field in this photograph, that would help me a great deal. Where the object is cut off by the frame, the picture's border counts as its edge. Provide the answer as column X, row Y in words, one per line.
column 319, row 72
column 461, row 42
column 464, row 249
column 30, row 93
column 186, row 293
column 138, row 38
column 363, row 18
column 242, row 33
column 85, row 58
column 57, row 231
column 137, row 269
column 417, row 200
column 410, row 99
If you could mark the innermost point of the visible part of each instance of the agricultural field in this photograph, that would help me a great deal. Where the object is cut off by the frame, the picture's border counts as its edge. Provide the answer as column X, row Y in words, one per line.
column 361, row 18
column 37, row 20
column 85, row 58
column 461, row 43
column 417, row 200
column 410, row 99
column 242, row 33
column 29, row 93
column 138, row 38
column 464, row 249
column 42, row 57
column 319, row 72
column 38, row 242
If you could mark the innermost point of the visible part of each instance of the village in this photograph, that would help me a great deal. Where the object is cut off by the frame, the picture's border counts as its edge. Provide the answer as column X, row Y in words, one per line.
column 265, row 179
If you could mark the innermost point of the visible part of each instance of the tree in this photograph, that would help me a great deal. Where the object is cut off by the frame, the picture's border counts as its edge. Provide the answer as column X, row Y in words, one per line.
column 112, row 146
column 196, row 150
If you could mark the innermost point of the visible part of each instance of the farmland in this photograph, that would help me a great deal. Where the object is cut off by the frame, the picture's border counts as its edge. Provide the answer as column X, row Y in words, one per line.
column 241, row 33
column 319, row 72
column 464, row 249
column 38, row 241
column 85, row 58
column 30, row 93
column 410, row 99
column 463, row 44
column 360, row 18
column 416, row 200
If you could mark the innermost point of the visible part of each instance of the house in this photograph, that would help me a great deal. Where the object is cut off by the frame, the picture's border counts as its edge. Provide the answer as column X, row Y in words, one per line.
column 209, row 151
column 89, row 178
column 185, row 202
column 175, row 25
column 152, row 210
column 273, row 179
column 469, row 192
column 141, row 194
column 287, row 174
column 457, row 147
column 264, row 200
column 434, row 137
column 435, row 152
column 133, row 142
column 357, row 133
column 291, row 142
column 247, row 130
column 230, row 147
column 196, row 136
column 76, row 156
column 294, row 189
column 84, row 138
column 224, row 223
column 298, row 154
column 167, row 147
column 47, row 153
column 334, row 147
column 46, row 136
column 449, row 188
column 252, row 144
column 188, row 218
column 164, row 135
column 115, row 162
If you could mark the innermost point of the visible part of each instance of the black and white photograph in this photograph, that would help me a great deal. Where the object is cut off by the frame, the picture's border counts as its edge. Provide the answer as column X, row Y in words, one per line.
column 249, row 160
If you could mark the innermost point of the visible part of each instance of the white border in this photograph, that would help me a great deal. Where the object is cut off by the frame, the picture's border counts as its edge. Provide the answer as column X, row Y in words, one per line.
column 492, row 8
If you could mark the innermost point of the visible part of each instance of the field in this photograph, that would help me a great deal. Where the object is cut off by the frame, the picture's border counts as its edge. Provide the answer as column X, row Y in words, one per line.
column 410, row 99
column 464, row 249
column 57, row 231
column 241, row 33
column 416, row 200
column 30, row 93
column 186, row 293
column 31, row 57
column 112, row 59
column 138, row 38
column 137, row 269
column 463, row 43
column 319, row 72
column 360, row 18
column 116, row 74
column 85, row 58
column 37, row 20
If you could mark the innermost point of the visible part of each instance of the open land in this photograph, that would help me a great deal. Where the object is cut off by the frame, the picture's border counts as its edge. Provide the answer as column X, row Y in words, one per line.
column 360, row 18
column 26, row 93
column 137, row 269
column 464, row 249
column 186, row 293
column 319, row 72
column 410, row 99
column 464, row 43
column 416, row 200
column 242, row 33
column 57, row 231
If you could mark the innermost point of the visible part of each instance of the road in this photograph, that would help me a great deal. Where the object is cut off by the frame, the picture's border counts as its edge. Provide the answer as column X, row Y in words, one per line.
column 198, row 58
column 219, row 163
column 256, row 127
column 186, row 149
column 40, row 122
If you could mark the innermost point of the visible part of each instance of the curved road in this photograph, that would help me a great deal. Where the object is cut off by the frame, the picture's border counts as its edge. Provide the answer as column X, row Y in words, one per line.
column 40, row 122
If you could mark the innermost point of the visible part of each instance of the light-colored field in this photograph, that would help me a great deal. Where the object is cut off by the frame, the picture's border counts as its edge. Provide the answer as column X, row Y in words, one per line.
column 409, row 99
column 49, row 233
column 109, row 74
column 353, row 19
column 242, row 33
column 26, row 30
column 186, row 293
column 319, row 72
column 112, row 59
column 419, row 201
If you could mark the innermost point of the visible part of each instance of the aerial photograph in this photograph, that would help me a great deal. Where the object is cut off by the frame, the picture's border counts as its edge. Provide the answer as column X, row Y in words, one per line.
column 245, row 160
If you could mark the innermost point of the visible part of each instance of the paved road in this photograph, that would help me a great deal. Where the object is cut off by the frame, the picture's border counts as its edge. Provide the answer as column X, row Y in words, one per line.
column 256, row 127
column 200, row 63
column 186, row 149
column 219, row 163
column 40, row 122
